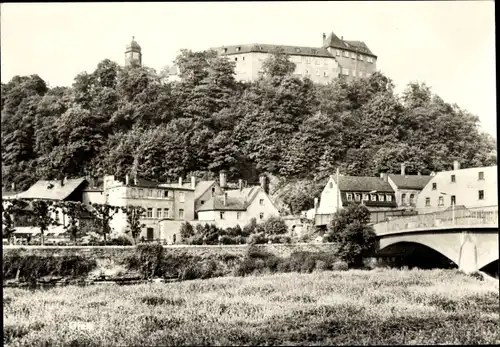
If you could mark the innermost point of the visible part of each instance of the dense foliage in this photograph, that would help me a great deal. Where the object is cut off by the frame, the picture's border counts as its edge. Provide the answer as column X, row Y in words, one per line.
column 119, row 120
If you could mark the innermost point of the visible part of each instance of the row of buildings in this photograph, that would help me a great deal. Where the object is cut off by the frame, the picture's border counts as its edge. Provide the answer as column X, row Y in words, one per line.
column 227, row 204
column 335, row 57
column 393, row 196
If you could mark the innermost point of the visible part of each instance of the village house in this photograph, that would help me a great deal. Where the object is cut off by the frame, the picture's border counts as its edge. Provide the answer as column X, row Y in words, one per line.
column 407, row 187
column 237, row 206
column 375, row 193
column 469, row 188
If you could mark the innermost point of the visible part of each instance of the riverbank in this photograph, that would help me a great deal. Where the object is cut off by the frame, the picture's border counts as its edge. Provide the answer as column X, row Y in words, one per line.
column 326, row 308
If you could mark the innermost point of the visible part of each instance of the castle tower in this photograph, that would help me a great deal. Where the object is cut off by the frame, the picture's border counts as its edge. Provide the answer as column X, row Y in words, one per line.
column 133, row 55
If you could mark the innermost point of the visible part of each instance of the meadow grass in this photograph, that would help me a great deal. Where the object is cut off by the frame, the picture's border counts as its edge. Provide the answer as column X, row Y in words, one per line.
column 334, row 308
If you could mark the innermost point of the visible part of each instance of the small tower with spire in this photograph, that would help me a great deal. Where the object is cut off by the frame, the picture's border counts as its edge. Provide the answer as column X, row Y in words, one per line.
column 133, row 55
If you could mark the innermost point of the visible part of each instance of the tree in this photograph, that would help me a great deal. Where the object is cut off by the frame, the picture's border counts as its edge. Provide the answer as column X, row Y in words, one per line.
column 186, row 230
column 350, row 230
column 274, row 226
column 103, row 213
column 44, row 212
column 134, row 215
column 73, row 211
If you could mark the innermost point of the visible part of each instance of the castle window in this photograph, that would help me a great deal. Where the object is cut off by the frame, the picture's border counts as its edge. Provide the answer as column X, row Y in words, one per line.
column 238, row 49
column 165, row 193
column 235, row 59
column 158, row 213
column 225, row 50
column 181, row 214
column 165, row 212
column 317, row 72
column 149, row 213
column 325, row 74
column 181, row 197
column 297, row 50
column 238, row 215
column 222, row 215
column 242, row 58
column 308, row 60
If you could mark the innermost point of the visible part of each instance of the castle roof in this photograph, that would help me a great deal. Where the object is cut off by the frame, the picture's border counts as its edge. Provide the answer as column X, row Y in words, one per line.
column 333, row 41
column 266, row 48
column 133, row 45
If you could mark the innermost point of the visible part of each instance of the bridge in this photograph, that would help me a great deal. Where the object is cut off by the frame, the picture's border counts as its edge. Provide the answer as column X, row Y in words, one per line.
column 466, row 236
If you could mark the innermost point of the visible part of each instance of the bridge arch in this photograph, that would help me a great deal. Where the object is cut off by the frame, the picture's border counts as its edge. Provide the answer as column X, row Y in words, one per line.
column 414, row 254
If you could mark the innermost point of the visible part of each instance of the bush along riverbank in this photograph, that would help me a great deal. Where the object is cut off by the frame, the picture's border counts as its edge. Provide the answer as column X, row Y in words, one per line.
column 149, row 262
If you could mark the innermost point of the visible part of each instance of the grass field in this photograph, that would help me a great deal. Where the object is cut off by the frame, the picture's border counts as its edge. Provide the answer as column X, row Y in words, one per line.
column 333, row 308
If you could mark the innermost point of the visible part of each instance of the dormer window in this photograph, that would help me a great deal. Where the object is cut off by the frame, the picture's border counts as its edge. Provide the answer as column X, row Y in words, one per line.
column 388, row 197
column 380, row 197
column 238, row 49
column 297, row 50
column 225, row 50
column 349, row 197
column 366, row 197
column 374, row 197
column 357, row 197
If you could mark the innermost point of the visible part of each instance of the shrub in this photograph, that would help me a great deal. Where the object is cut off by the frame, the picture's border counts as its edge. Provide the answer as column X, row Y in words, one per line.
column 275, row 226
column 149, row 259
column 339, row 266
column 258, row 238
column 120, row 241
column 256, row 261
column 186, row 230
column 228, row 240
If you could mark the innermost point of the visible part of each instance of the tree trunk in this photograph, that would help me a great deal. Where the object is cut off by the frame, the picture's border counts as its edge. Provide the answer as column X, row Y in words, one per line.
column 42, row 238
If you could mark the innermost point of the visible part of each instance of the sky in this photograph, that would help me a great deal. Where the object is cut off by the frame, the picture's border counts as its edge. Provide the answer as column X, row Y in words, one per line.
column 448, row 45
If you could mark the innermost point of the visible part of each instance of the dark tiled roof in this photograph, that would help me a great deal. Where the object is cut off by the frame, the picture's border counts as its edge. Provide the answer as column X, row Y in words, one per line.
column 52, row 190
column 265, row 48
column 363, row 184
column 236, row 200
column 332, row 40
column 410, row 182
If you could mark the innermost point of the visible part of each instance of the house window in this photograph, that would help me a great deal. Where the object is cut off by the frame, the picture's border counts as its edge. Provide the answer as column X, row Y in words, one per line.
column 345, row 71
column 380, row 197
column 330, row 185
column 181, row 197
column 261, row 202
column 238, row 215
column 225, row 50
column 181, row 213
column 434, row 186
column 441, row 201
column 481, row 194
column 374, row 197
column 353, row 55
column 338, row 53
column 141, row 193
column 158, row 193
column 235, row 59
column 150, row 213
column 308, row 60
column 427, row 202
column 357, row 197
column 453, row 200
column 202, row 202
column 133, row 192
column 307, row 72
column 366, row 197
column 158, row 213
column 361, row 74
column 238, row 49
column 261, row 215
column 346, row 54
column 403, row 199
column 325, row 74
column 222, row 215
column 243, row 58
column 349, row 197
column 317, row 72
column 316, row 61
column 165, row 213
column 388, row 197
column 165, row 193
column 150, row 193
column 412, row 199
column 453, row 178
column 480, row 175
column 360, row 57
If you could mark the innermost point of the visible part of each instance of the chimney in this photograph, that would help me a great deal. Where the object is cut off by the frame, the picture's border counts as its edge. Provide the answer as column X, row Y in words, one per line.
column 225, row 199
column 222, row 179
column 240, row 184
column 385, row 177
column 263, row 183
column 342, row 38
column 193, row 182
column 180, row 181
column 324, row 36
column 135, row 180
column 403, row 167
column 456, row 165
column 13, row 186
column 315, row 205
column 127, row 180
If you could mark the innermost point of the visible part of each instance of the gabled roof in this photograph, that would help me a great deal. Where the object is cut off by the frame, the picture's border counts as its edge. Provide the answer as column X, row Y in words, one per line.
column 363, row 184
column 202, row 187
column 52, row 190
column 266, row 48
column 333, row 40
column 410, row 182
column 237, row 200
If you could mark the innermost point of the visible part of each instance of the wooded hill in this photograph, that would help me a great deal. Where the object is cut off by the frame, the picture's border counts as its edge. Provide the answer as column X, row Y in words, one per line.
column 119, row 120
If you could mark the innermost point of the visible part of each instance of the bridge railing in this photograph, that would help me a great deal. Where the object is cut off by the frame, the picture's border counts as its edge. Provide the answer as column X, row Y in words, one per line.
column 487, row 216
